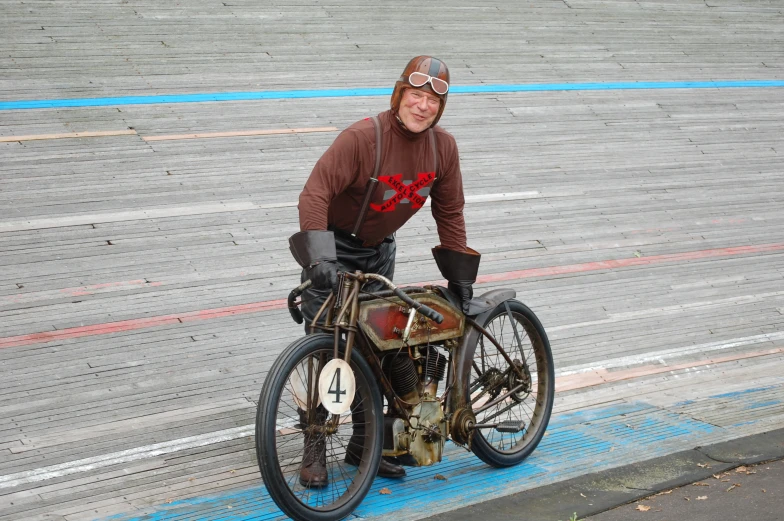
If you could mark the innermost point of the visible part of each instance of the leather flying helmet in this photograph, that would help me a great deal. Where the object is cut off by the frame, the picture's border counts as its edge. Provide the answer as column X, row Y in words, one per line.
column 429, row 74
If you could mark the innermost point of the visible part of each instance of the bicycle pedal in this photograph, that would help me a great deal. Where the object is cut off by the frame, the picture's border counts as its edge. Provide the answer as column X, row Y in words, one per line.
column 510, row 426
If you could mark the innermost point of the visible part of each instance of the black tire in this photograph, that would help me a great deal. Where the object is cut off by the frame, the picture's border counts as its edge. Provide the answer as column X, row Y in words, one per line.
column 280, row 439
column 491, row 377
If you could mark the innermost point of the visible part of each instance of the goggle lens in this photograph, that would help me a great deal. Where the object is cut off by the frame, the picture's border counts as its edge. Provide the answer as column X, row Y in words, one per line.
column 420, row 79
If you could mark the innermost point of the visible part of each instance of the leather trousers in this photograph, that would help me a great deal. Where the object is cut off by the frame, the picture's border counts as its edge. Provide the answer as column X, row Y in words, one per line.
column 352, row 256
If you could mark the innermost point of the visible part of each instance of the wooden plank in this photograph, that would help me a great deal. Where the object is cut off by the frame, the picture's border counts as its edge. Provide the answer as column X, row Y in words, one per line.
column 81, row 220
column 238, row 133
column 68, row 135
column 611, row 174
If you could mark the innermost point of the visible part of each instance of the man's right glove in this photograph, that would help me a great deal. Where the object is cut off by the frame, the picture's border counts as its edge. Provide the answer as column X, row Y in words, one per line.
column 314, row 250
column 460, row 270
column 323, row 275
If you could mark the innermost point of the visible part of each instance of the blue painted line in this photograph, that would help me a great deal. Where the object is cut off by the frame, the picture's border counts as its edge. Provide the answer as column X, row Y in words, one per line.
column 759, row 405
column 736, row 394
column 587, row 416
column 587, row 440
column 740, row 424
column 341, row 93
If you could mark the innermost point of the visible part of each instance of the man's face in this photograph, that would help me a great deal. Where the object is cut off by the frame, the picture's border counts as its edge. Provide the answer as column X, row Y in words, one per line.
column 418, row 109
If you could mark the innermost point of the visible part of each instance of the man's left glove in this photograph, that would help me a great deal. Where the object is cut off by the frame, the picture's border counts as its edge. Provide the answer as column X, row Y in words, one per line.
column 463, row 289
column 460, row 270
column 314, row 250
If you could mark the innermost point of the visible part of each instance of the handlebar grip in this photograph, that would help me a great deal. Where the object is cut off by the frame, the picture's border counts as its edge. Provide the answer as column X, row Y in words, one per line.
column 430, row 313
column 296, row 314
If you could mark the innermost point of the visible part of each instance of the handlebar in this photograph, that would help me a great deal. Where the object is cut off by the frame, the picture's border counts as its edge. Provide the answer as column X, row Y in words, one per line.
column 428, row 312
column 296, row 314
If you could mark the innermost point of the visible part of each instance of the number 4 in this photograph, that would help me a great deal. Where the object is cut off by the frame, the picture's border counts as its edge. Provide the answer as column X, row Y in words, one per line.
column 334, row 386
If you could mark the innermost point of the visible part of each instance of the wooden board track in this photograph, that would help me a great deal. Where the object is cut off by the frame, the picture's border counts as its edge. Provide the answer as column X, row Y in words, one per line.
column 141, row 276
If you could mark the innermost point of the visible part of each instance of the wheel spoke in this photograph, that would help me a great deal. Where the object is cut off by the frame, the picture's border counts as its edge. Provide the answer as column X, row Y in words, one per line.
column 302, row 430
column 507, row 388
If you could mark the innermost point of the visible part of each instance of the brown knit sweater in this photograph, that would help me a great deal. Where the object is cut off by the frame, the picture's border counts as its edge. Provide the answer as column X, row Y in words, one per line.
column 334, row 192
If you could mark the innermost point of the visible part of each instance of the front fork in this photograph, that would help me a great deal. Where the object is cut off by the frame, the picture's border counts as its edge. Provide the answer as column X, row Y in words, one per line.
column 342, row 312
column 346, row 304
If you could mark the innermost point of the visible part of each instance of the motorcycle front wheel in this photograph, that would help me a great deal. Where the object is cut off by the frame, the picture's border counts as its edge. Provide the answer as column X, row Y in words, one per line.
column 294, row 430
column 518, row 400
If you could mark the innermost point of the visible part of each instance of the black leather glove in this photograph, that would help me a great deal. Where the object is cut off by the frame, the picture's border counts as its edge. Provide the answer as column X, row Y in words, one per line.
column 315, row 251
column 463, row 290
column 459, row 268
column 323, row 275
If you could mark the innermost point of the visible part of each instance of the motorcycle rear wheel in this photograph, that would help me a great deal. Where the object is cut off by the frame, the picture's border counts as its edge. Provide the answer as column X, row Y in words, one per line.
column 283, row 416
column 524, row 340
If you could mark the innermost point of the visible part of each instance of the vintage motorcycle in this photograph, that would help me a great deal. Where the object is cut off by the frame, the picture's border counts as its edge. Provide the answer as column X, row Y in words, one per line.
column 398, row 373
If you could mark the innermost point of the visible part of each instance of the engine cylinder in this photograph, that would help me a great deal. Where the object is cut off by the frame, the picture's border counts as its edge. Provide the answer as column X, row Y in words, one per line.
column 402, row 374
column 433, row 365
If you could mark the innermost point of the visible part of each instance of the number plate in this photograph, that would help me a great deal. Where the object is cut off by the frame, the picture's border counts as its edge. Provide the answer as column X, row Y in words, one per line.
column 337, row 386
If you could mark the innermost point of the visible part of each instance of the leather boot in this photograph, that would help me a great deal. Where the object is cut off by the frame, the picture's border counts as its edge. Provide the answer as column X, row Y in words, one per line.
column 387, row 467
column 313, row 472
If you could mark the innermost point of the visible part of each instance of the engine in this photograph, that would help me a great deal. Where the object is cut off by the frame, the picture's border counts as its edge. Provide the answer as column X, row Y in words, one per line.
column 415, row 378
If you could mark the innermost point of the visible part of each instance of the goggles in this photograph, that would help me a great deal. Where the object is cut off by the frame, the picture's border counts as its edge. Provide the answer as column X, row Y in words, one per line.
column 420, row 79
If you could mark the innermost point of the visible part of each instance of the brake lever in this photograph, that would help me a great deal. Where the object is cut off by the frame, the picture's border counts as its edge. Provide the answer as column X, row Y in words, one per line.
column 407, row 331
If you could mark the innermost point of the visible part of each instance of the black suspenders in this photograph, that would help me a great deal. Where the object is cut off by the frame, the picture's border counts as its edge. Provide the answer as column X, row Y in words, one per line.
column 373, row 181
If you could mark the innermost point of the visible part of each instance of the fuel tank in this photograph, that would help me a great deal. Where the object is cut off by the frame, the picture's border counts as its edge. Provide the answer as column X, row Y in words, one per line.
column 384, row 320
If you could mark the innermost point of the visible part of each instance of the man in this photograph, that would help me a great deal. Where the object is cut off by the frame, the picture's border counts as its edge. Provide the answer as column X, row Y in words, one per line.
column 348, row 221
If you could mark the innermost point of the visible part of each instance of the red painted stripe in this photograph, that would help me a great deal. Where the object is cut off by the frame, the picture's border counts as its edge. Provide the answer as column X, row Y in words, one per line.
column 139, row 323
column 603, row 376
column 625, row 263
column 254, row 307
